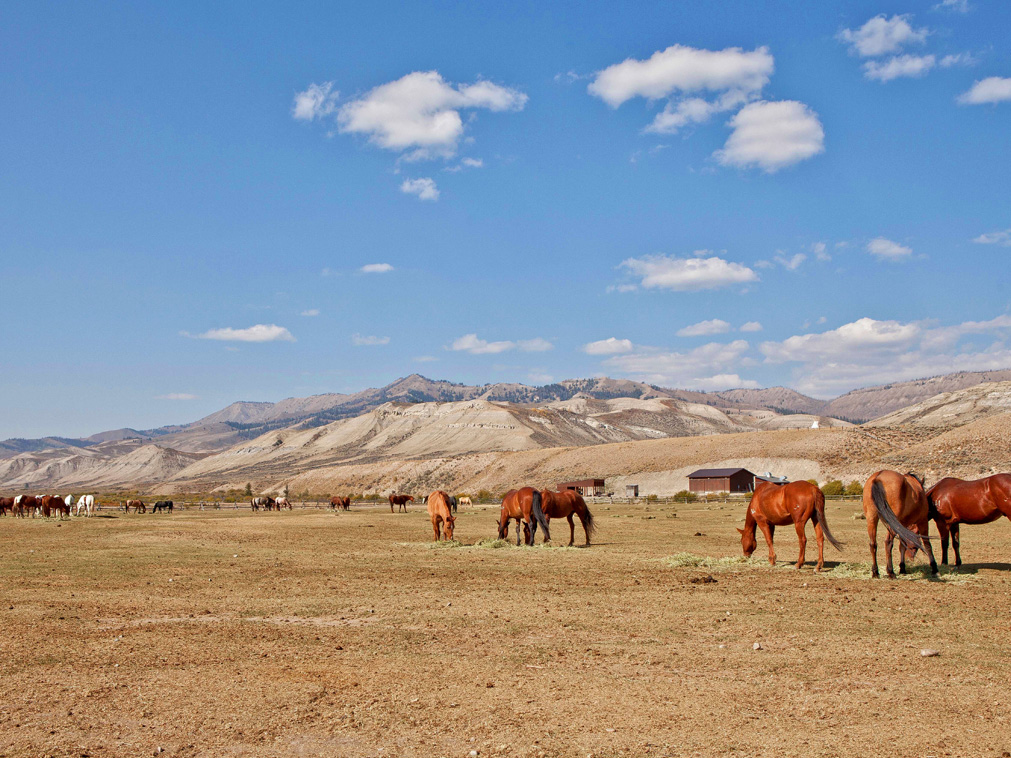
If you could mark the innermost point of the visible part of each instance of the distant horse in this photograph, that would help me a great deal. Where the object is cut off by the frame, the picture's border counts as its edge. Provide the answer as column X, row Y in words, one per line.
column 401, row 500
column 49, row 504
column 162, row 505
column 439, row 507
column 524, row 505
column 794, row 503
column 59, row 507
column 453, row 503
column 267, row 503
column 23, row 504
column 137, row 505
column 87, row 502
column 899, row 500
column 464, row 500
column 6, row 504
column 343, row 503
column 954, row 501
column 565, row 505
column 282, row 502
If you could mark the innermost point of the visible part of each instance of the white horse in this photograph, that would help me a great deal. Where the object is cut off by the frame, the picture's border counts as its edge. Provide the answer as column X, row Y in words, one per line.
column 463, row 501
column 84, row 501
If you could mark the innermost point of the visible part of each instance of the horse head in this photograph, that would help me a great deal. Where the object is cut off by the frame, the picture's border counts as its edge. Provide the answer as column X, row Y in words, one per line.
column 748, row 542
column 448, row 528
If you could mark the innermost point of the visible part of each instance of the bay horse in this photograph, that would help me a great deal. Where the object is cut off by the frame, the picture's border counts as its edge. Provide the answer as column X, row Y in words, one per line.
column 566, row 505
column 6, row 504
column 344, row 503
column 794, row 503
column 899, row 501
column 23, row 503
column 162, row 505
column 524, row 505
column 953, row 502
column 137, row 505
column 401, row 500
column 439, row 510
column 59, row 506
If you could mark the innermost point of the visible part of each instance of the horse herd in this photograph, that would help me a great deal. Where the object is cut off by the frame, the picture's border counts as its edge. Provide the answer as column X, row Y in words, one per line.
column 54, row 506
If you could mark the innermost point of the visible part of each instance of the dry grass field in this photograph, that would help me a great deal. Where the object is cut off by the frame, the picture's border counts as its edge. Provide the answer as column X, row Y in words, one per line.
column 310, row 633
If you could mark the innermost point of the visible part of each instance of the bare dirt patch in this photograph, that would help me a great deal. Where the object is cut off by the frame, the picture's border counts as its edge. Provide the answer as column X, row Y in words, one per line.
column 305, row 633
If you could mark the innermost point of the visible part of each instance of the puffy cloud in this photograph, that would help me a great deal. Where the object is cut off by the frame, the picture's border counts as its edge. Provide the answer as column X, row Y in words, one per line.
column 421, row 112
column 1002, row 238
column 688, row 274
column 898, row 66
column 772, row 135
column 311, row 312
column 176, row 396
column 316, row 102
column 886, row 249
column 958, row 59
column 610, row 346
column 424, row 188
column 881, row 35
column 705, row 328
column 363, row 340
column 820, row 251
column 792, row 263
column 709, row 367
column 256, row 333
column 376, row 268
column 993, row 89
column 867, row 351
column 751, row 326
column 470, row 343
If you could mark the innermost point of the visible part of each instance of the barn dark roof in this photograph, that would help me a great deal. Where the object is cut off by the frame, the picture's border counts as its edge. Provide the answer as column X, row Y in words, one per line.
column 713, row 473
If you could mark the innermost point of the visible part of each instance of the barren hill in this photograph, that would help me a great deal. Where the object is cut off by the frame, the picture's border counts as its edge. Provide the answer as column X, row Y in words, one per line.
column 781, row 399
column 951, row 409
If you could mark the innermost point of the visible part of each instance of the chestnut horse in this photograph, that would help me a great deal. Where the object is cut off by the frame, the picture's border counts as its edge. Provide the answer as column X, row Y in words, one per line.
column 439, row 510
column 794, row 503
column 137, row 505
column 565, row 505
column 899, row 500
column 401, row 500
column 342, row 503
column 6, row 504
column 524, row 505
column 955, row 501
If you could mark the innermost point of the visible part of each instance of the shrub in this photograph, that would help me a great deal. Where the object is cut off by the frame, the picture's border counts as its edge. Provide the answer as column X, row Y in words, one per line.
column 485, row 495
column 686, row 496
column 833, row 488
column 854, row 488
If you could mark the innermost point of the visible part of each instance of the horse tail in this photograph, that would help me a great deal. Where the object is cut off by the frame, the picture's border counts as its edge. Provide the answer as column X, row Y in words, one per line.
column 538, row 513
column 932, row 512
column 909, row 538
column 819, row 509
column 588, row 523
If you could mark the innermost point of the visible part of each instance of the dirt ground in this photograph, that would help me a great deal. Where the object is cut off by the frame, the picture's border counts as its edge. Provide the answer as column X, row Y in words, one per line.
column 310, row 633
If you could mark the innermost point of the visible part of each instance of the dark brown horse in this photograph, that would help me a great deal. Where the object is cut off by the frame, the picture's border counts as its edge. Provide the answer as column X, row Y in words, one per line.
column 953, row 502
column 566, row 505
column 439, row 510
column 899, row 500
column 24, row 504
column 342, row 503
column 794, row 503
column 401, row 500
column 6, row 504
column 524, row 505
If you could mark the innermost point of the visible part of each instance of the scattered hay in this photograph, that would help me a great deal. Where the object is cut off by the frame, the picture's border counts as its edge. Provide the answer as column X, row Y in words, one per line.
column 691, row 560
column 492, row 543
column 919, row 572
column 443, row 544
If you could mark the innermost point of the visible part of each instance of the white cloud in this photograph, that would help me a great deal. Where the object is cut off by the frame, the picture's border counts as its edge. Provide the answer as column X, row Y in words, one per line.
column 176, row 396
column 365, row 339
column 376, row 268
column 470, row 343
column 792, row 263
column 424, row 188
column 886, row 249
column 867, row 352
column 1002, row 238
column 473, row 162
column 820, row 251
column 958, row 59
column 709, row 367
column 316, row 102
column 959, row 6
column 705, row 328
column 881, row 35
column 421, row 112
column 610, row 346
column 540, row 377
column 256, row 333
column 311, row 312
column 772, row 135
column 688, row 274
column 898, row 66
column 993, row 89
column 751, row 326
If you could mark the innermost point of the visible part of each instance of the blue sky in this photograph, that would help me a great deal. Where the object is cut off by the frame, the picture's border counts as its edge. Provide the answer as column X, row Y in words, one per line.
column 202, row 203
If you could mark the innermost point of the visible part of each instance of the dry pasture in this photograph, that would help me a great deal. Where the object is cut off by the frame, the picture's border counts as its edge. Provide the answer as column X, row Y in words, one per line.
column 313, row 633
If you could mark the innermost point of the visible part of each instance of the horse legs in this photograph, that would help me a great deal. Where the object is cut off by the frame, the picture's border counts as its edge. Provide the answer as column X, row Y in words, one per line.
column 956, row 542
column 572, row 530
column 889, row 541
column 800, row 526
column 819, row 535
column 768, row 530
column 872, row 534
column 518, row 522
column 435, row 528
column 943, row 531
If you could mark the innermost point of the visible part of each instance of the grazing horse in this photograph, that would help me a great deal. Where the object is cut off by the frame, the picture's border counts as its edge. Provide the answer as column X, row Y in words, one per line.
column 343, row 503
column 59, row 506
column 401, row 500
column 137, row 505
column 282, row 502
column 955, row 501
column 464, row 500
column 794, row 503
column 899, row 500
column 439, row 510
column 6, row 504
column 23, row 503
column 524, row 505
column 565, row 505
column 162, row 505
column 87, row 502
column 267, row 503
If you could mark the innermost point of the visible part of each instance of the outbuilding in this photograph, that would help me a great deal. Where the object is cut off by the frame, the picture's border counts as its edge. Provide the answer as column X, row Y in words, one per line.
column 585, row 487
column 721, row 480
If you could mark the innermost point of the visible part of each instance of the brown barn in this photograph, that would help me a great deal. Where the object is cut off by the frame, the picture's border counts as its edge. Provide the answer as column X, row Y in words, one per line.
column 721, row 480
column 585, row 487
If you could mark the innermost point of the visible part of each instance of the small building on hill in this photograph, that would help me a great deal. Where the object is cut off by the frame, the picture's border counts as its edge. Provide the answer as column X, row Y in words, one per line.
column 721, row 480
column 585, row 487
